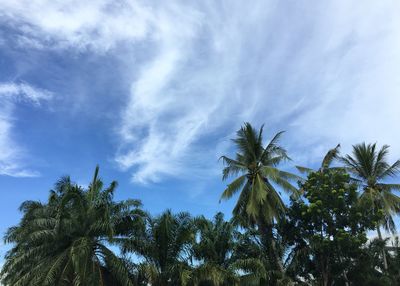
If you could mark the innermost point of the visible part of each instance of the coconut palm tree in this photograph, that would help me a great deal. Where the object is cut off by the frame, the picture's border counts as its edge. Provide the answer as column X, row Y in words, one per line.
column 326, row 163
column 256, row 168
column 256, row 173
column 65, row 241
column 165, row 247
column 370, row 166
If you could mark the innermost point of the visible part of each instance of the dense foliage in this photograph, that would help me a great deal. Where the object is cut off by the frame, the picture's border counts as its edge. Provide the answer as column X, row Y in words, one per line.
column 65, row 242
column 84, row 237
column 327, row 228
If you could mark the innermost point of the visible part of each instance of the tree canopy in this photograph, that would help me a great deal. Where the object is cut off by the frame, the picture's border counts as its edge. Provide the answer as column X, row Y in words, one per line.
column 285, row 229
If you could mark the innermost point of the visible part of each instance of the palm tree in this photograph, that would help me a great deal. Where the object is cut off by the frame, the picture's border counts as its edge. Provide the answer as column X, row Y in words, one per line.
column 64, row 242
column 214, row 249
column 326, row 163
column 256, row 170
column 164, row 247
column 371, row 168
column 258, row 268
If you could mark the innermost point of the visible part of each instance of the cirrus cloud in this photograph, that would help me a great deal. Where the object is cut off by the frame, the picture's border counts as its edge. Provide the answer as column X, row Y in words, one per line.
column 327, row 71
column 12, row 154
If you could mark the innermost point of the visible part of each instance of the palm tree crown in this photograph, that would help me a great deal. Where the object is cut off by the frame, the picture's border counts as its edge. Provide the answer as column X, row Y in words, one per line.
column 256, row 168
column 64, row 242
column 165, row 247
column 214, row 249
column 371, row 168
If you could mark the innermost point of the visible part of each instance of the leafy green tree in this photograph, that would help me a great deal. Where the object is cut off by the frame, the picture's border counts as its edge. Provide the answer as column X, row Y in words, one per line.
column 165, row 247
column 256, row 173
column 370, row 166
column 328, row 228
column 65, row 241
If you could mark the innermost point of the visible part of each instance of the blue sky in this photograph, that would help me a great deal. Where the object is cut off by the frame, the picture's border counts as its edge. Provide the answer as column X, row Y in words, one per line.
column 153, row 90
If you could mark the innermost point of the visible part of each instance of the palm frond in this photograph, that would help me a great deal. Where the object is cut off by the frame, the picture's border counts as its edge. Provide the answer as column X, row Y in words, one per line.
column 304, row 170
column 234, row 187
column 330, row 156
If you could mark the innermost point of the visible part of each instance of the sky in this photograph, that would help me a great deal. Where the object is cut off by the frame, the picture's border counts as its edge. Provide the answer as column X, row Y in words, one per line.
column 153, row 91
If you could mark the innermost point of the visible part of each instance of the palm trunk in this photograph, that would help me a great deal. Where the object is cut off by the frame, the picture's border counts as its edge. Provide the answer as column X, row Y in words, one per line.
column 346, row 279
column 276, row 255
column 266, row 233
column 325, row 278
column 325, row 270
column 385, row 265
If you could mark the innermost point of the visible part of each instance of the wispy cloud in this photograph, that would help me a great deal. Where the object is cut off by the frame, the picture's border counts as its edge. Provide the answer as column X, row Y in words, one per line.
column 12, row 154
column 97, row 25
column 22, row 91
column 327, row 71
column 322, row 75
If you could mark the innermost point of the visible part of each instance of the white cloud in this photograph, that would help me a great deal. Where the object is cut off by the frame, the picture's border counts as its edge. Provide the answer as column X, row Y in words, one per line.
column 355, row 96
column 98, row 25
column 24, row 91
column 331, row 73
column 12, row 154
column 327, row 71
